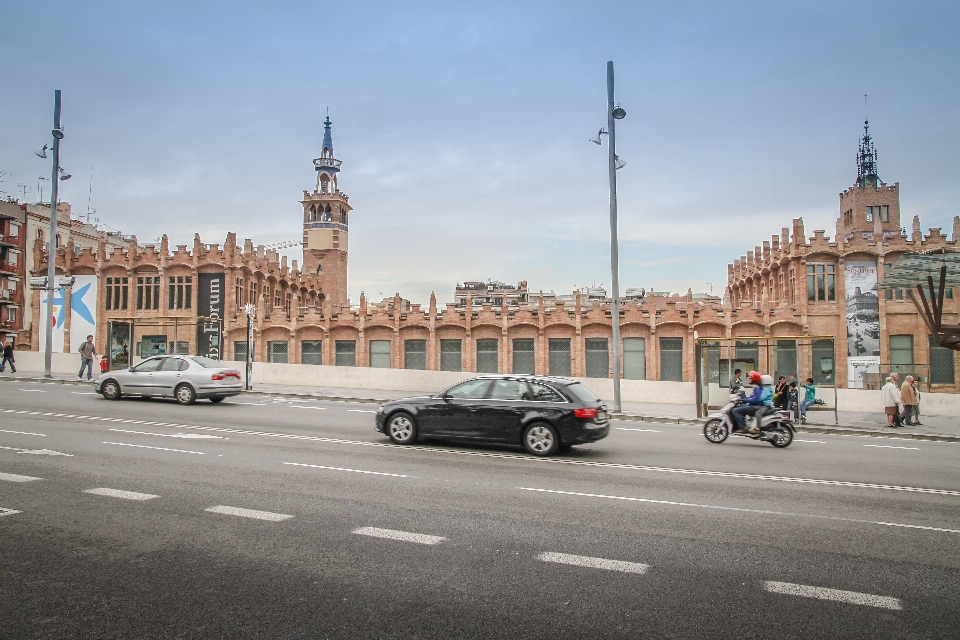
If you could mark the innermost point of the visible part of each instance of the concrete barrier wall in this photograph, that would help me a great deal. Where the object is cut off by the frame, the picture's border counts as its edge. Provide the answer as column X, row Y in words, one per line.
column 406, row 380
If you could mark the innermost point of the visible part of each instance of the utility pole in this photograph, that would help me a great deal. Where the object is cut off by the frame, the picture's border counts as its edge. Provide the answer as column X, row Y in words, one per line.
column 614, row 248
column 52, row 243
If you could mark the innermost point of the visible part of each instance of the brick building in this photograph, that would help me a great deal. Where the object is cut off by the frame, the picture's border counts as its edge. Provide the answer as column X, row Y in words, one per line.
column 13, row 261
column 817, row 286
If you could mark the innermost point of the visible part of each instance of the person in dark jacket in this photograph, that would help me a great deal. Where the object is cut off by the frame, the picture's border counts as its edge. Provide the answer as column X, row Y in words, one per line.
column 8, row 357
column 781, row 393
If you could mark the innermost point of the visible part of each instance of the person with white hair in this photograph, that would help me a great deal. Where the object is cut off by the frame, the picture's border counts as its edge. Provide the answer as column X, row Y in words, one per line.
column 890, row 395
column 908, row 398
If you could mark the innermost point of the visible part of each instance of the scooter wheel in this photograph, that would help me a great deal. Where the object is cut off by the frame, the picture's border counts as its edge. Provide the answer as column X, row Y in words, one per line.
column 782, row 436
column 716, row 430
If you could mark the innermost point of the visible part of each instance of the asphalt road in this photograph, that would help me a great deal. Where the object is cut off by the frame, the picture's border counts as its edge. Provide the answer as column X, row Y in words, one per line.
column 276, row 518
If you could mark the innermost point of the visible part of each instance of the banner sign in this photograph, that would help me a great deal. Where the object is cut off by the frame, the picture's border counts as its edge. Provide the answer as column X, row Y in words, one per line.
column 59, row 312
column 118, row 336
column 83, row 311
column 210, row 306
column 863, row 321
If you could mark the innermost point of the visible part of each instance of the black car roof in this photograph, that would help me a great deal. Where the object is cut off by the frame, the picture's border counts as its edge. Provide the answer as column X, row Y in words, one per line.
column 527, row 376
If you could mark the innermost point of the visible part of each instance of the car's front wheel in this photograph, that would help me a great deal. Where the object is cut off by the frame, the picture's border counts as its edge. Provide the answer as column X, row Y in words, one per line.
column 185, row 394
column 402, row 428
column 540, row 439
column 110, row 390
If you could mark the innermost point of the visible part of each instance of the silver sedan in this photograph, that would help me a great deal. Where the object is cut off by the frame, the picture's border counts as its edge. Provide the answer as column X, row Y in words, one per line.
column 185, row 378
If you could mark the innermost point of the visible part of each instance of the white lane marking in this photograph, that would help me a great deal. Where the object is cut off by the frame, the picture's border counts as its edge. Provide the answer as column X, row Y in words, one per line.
column 835, row 595
column 375, row 473
column 740, row 509
column 588, row 463
column 293, row 406
column 887, row 446
column 8, row 512
column 118, row 493
column 192, row 436
column 252, row 404
column 648, row 430
column 249, row 513
column 403, row 536
column 32, row 390
column 85, row 393
column 44, row 452
column 594, row 563
column 12, row 477
column 143, row 446
column 24, row 433
column 813, row 441
column 360, row 411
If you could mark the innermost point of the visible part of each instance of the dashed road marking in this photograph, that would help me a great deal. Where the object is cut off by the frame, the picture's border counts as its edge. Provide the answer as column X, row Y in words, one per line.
column 190, row 436
column 361, row 411
column 143, row 446
column 24, row 433
column 375, row 473
column 248, row 513
column 813, row 441
column 12, row 477
column 834, row 595
column 32, row 390
column 403, row 536
column 740, row 509
column 252, row 404
column 8, row 512
column 293, row 406
column 85, row 393
column 594, row 563
column 887, row 446
column 648, row 430
column 118, row 493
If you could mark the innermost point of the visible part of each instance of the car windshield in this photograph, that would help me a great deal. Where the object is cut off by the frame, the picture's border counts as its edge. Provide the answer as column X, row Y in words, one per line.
column 207, row 363
column 581, row 393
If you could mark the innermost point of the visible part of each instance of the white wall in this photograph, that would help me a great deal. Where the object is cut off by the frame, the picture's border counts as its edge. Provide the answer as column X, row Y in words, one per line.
column 852, row 400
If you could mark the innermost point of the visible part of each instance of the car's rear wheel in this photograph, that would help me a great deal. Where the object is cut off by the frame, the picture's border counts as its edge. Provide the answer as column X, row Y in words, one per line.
column 215, row 400
column 540, row 439
column 110, row 390
column 402, row 428
column 185, row 394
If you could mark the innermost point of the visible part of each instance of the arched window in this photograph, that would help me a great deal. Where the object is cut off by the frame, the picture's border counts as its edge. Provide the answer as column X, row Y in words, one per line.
column 58, row 241
column 39, row 234
column 313, row 213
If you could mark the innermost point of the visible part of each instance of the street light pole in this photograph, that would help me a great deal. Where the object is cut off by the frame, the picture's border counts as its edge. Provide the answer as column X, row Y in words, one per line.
column 614, row 248
column 52, row 242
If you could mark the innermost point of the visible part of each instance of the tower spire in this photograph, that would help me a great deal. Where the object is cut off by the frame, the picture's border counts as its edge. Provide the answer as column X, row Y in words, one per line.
column 867, row 159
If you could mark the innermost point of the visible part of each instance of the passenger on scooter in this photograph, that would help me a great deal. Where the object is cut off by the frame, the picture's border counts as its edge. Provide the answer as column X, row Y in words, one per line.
column 762, row 397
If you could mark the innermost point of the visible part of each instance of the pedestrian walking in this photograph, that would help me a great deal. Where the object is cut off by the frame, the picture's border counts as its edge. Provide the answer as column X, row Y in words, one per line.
column 104, row 365
column 8, row 358
column 87, row 354
column 890, row 396
column 916, row 407
column 908, row 398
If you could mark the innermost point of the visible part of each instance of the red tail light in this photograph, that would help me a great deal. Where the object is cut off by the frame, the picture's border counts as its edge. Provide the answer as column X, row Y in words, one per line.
column 224, row 375
column 217, row 376
column 586, row 413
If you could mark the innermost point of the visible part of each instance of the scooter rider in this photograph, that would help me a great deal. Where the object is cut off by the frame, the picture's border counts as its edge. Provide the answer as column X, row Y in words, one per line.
column 762, row 396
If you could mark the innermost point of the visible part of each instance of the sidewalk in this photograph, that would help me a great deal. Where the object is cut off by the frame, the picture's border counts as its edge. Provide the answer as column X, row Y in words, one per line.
column 934, row 427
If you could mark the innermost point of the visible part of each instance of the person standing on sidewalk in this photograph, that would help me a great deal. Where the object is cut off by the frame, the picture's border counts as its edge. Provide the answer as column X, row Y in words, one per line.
column 890, row 396
column 908, row 398
column 87, row 353
column 916, row 407
column 8, row 357
column 780, row 393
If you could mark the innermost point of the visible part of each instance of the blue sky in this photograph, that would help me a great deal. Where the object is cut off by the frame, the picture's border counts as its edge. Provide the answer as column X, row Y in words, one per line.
column 463, row 127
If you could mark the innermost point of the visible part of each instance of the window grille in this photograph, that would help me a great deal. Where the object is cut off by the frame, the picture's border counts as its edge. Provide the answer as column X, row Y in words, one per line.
column 748, row 351
column 559, row 356
column 823, row 364
column 240, row 350
column 379, row 354
column 415, row 354
column 451, row 355
column 311, row 352
column 635, row 359
column 941, row 364
column 786, row 356
column 523, row 361
column 277, row 351
column 346, row 353
column 488, row 355
column 598, row 358
column 671, row 359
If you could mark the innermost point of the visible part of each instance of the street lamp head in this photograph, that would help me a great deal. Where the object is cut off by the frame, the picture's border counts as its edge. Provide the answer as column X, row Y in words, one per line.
column 42, row 153
column 63, row 174
column 58, row 134
column 619, row 113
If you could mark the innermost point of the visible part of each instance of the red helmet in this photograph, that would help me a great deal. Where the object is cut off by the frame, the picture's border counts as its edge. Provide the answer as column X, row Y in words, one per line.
column 754, row 377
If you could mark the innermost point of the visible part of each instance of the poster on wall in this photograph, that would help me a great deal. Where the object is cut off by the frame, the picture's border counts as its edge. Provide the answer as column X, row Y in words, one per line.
column 83, row 311
column 119, row 343
column 863, row 321
column 210, row 309
column 59, row 312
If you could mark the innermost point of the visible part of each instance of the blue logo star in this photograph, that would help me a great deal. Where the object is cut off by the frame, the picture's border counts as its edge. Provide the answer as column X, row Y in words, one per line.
column 79, row 306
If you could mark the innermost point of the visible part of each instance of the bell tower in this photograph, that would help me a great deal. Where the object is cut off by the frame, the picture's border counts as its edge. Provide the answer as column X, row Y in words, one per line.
column 326, row 214
column 870, row 208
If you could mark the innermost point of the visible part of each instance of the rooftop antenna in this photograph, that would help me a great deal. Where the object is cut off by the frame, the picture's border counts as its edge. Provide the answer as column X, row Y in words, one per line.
column 865, row 118
column 90, row 194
